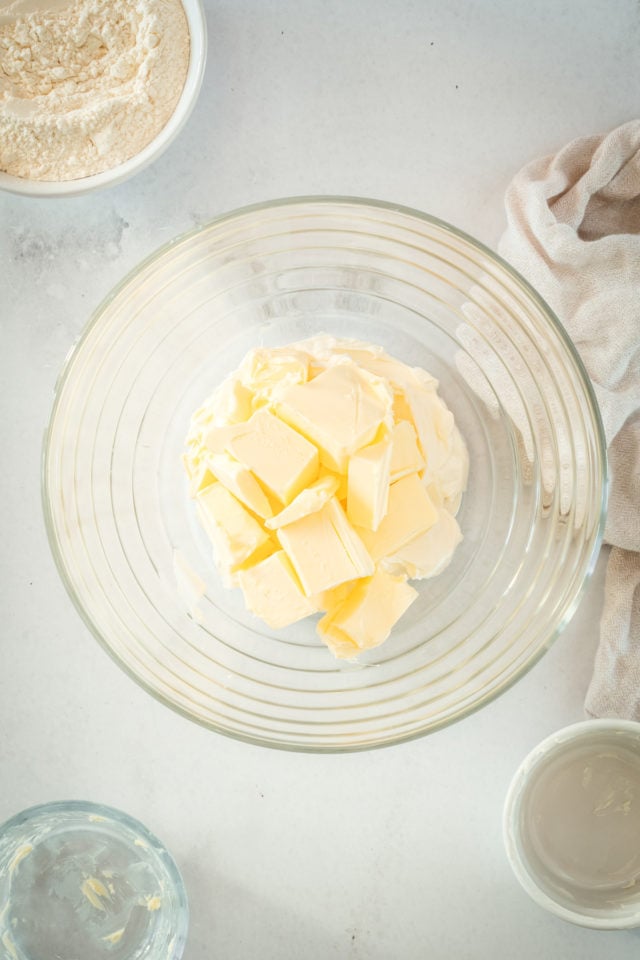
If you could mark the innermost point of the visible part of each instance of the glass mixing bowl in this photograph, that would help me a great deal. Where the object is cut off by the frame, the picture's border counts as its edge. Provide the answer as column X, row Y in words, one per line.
column 116, row 502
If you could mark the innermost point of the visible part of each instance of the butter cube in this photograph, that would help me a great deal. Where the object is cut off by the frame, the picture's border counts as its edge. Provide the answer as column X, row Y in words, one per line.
column 341, row 491
column 308, row 501
column 216, row 439
column 329, row 599
column 368, row 484
column 232, row 402
column 366, row 617
column 405, row 457
column 429, row 554
column 340, row 411
column 410, row 513
column 283, row 461
column 199, row 475
column 235, row 534
column 434, row 425
column 240, row 482
column 272, row 592
column 324, row 549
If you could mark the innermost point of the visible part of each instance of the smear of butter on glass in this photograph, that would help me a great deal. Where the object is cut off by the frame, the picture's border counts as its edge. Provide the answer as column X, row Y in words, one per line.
column 115, row 937
column 20, row 854
column 93, row 890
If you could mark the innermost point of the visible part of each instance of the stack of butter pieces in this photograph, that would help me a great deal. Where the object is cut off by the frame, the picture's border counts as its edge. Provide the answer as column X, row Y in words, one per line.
column 327, row 474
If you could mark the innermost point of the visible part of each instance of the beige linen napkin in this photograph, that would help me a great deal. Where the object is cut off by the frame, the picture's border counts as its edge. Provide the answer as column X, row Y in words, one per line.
column 574, row 232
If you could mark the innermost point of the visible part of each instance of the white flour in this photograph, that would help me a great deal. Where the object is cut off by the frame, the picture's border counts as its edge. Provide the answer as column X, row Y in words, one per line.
column 86, row 84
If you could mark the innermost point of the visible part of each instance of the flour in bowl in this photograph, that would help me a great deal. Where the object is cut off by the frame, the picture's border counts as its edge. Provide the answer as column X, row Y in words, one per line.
column 86, row 84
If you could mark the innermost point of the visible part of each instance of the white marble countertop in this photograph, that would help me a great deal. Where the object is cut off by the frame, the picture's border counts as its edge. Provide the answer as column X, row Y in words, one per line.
column 389, row 854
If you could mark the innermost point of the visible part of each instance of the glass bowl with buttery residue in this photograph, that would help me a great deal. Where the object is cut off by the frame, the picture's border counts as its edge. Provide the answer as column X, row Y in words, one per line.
column 81, row 880
column 118, row 512
column 572, row 824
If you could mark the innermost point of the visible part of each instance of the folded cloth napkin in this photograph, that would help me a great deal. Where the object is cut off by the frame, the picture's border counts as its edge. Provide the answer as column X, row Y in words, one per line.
column 574, row 232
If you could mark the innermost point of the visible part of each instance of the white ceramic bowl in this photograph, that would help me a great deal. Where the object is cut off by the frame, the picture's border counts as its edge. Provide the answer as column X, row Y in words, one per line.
column 73, row 188
column 572, row 824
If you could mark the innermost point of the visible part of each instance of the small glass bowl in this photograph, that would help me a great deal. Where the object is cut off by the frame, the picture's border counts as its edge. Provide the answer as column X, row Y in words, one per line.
column 81, row 880
column 193, row 81
column 572, row 824
column 116, row 503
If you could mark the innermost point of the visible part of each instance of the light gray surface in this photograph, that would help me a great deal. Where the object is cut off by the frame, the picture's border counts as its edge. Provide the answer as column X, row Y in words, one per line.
column 390, row 854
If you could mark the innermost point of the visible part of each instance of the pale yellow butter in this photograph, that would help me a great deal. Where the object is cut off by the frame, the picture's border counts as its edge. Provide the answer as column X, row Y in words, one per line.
column 282, row 460
column 272, row 592
column 324, row 549
column 329, row 599
column 240, row 482
column 266, row 372
column 366, row 617
column 310, row 500
column 233, row 403
column 434, row 426
column 453, row 474
column 200, row 478
column 327, row 472
column 216, row 439
column 405, row 456
column 428, row 554
column 368, row 476
column 341, row 490
column 339, row 411
column 235, row 534
column 411, row 512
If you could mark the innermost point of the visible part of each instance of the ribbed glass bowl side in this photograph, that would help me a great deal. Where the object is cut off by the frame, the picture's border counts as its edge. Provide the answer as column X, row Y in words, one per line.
column 116, row 504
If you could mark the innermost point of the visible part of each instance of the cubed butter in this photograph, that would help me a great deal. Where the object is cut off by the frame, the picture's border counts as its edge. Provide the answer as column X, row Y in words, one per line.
column 429, row 554
column 341, row 490
column 329, row 599
column 325, row 549
column 267, row 372
column 232, row 402
column 282, row 460
column 308, row 501
column 366, row 617
column 339, row 411
column 453, row 474
column 434, row 425
column 368, row 478
column 272, row 592
column 326, row 473
column 410, row 513
column 216, row 439
column 240, row 482
column 235, row 534
column 199, row 475
column 405, row 457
